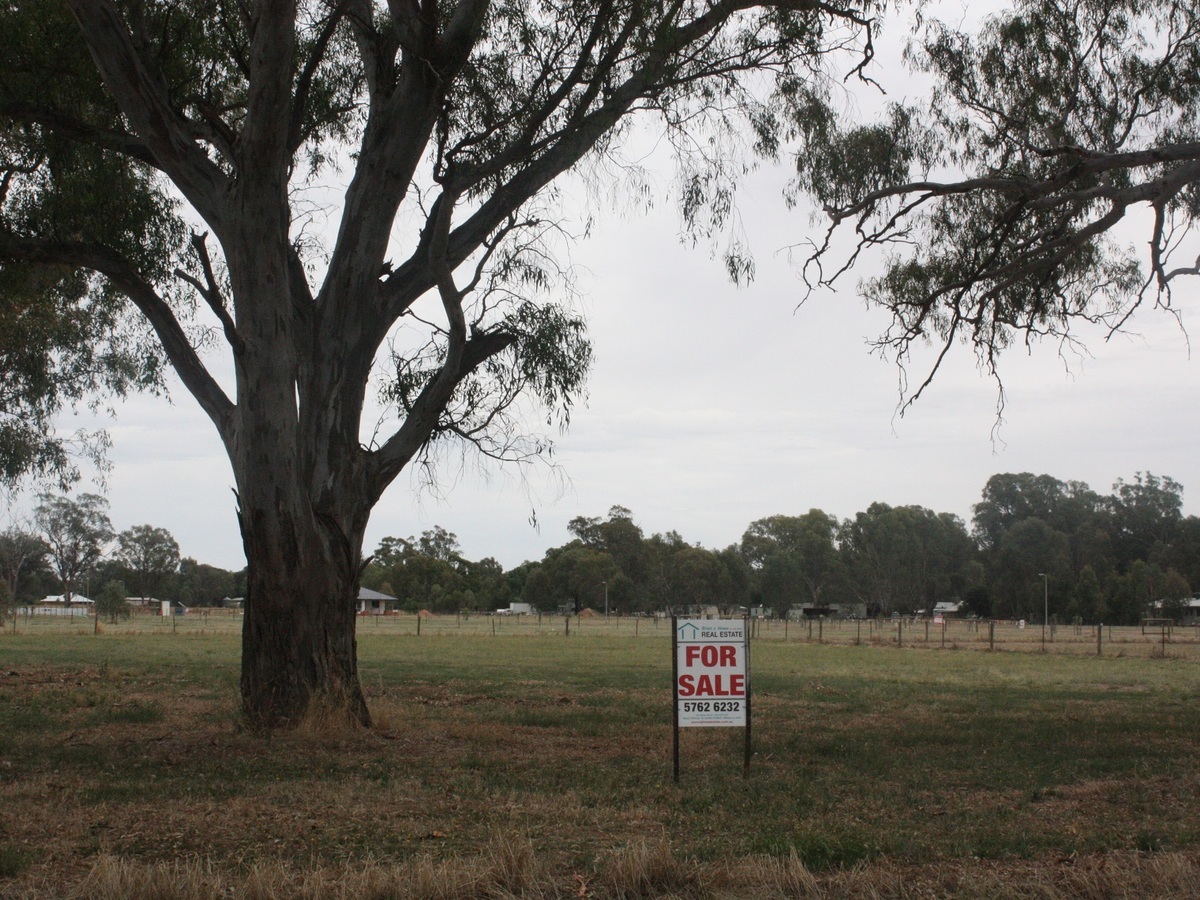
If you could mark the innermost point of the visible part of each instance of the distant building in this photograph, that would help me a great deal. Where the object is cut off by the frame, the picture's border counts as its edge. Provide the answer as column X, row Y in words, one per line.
column 57, row 605
column 948, row 609
column 516, row 609
column 827, row 611
column 58, row 601
column 1189, row 609
column 373, row 603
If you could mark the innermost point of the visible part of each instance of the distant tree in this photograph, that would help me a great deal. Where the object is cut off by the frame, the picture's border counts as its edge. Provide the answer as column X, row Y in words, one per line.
column 622, row 539
column 1029, row 550
column 516, row 578
column 538, row 589
column 1174, row 593
column 1066, row 506
column 201, row 584
column 21, row 552
column 738, row 579
column 978, row 601
column 697, row 577
column 111, row 601
column 438, row 543
column 1145, row 515
column 577, row 574
column 77, row 533
column 1087, row 601
column 780, row 582
column 906, row 557
column 1131, row 595
column 1183, row 553
column 8, row 605
column 426, row 572
column 151, row 554
column 660, row 548
column 796, row 557
column 487, row 584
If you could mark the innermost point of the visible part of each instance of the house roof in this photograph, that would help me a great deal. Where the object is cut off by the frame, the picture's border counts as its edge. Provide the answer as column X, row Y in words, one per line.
column 368, row 594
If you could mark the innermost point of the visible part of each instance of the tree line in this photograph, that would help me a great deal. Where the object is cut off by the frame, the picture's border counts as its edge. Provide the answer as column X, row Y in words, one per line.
column 69, row 546
column 1034, row 541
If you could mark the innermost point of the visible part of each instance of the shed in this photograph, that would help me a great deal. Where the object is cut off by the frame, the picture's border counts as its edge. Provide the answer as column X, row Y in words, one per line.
column 373, row 603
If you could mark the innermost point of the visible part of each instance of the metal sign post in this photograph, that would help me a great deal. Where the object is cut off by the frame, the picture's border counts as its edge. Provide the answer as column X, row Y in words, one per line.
column 711, row 675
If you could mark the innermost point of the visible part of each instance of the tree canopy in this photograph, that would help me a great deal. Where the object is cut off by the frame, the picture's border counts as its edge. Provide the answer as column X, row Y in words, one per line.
column 1002, row 197
column 165, row 172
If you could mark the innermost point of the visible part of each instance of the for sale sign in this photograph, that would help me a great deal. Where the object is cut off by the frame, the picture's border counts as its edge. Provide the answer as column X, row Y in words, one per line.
column 711, row 679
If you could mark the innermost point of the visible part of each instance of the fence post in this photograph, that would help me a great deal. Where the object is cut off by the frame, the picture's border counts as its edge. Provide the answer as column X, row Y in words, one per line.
column 1099, row 638
column 821, row 630
column 991, row 634
column 899, row 632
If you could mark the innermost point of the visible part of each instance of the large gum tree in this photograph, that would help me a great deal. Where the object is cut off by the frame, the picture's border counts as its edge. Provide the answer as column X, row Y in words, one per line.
column 159, row 168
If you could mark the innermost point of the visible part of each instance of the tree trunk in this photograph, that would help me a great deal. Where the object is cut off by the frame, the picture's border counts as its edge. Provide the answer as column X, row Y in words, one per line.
column 298, row 637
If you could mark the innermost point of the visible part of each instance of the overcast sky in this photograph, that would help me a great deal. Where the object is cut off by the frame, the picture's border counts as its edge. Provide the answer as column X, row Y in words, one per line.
column 711, row 406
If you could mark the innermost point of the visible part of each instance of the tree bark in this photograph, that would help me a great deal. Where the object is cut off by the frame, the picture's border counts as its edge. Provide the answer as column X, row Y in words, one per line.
column 298, row 638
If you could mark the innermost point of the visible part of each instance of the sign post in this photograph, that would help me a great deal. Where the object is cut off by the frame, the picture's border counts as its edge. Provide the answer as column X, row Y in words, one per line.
column 711, row 676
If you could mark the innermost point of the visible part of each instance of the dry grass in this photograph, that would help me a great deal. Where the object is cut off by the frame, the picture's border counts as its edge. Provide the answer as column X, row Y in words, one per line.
column 541, row 769
column 510, row 869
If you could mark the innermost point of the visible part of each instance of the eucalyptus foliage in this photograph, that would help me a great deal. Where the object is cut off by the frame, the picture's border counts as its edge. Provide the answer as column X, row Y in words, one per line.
column 999, row 199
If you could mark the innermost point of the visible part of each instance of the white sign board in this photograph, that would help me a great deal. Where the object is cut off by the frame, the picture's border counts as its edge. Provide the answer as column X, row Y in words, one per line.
column 711, row 683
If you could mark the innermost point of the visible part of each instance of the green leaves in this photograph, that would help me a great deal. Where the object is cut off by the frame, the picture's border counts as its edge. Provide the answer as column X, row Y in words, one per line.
column 66, row 336
column 998, row 198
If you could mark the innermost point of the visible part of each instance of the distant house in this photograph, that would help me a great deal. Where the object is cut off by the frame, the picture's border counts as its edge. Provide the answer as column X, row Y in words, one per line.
column 1189, row 609
column 944, row 609
column 59, row 601
column 827, row 611
column 373, row 603
column 57, row 605
column 948, row 609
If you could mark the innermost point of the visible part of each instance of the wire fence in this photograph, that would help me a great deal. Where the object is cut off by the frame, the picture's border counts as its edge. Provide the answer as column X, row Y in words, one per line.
column 1153, row 639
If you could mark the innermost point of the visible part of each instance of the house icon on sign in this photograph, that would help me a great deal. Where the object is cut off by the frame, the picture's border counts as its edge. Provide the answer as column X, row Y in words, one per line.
column 688, row 632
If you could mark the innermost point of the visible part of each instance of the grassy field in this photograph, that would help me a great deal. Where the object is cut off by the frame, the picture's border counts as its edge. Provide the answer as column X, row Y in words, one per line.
column 1179, row 642
column 527, row 763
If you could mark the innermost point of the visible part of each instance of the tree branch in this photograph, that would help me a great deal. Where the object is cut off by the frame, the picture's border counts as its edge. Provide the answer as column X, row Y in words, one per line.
column 126, row 279
column 144, row 101
column 211, row 292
